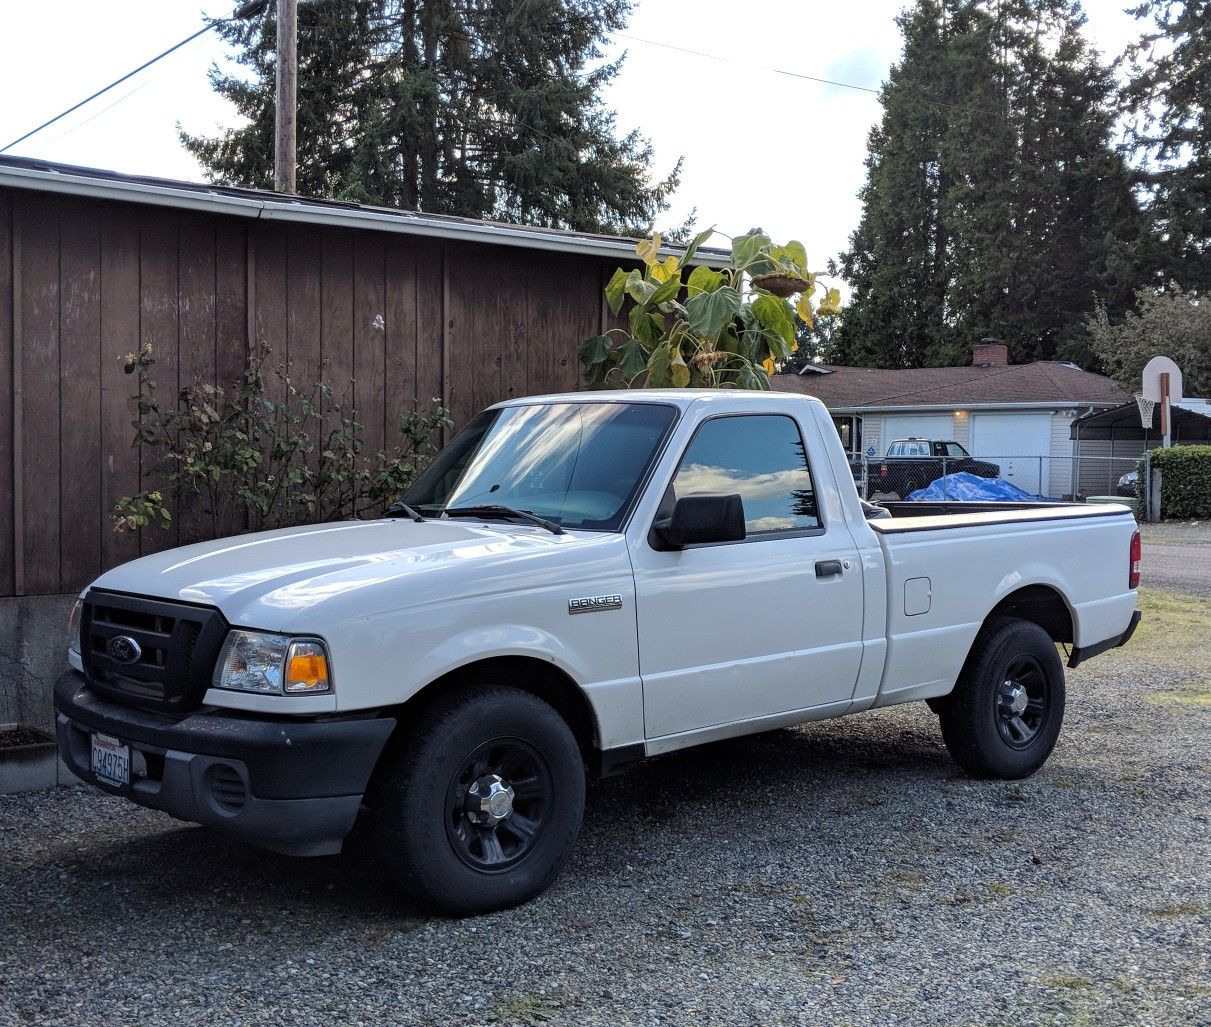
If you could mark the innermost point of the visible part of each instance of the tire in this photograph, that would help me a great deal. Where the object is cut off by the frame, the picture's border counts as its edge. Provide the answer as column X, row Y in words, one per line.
column 986, row 727
column 437, row 809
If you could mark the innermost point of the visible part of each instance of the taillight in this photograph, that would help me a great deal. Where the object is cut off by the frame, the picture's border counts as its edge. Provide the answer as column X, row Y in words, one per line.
column 1133, row 578
column 883, row 470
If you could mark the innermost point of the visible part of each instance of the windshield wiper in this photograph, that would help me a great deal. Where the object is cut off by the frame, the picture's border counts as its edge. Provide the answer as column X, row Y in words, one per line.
column 401, row 509
column 502, row 510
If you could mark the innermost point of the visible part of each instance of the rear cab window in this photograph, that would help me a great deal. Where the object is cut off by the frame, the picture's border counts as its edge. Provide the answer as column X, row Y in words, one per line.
column 760, row 457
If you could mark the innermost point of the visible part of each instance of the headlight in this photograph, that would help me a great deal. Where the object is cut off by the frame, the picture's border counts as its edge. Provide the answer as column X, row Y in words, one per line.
column 257, row 661
column 73, row 626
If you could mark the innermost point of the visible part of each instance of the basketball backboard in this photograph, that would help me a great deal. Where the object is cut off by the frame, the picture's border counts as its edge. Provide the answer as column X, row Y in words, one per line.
column 1152, row 379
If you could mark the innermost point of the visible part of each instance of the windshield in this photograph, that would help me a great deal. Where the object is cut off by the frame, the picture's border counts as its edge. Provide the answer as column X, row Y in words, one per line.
column 577, row 464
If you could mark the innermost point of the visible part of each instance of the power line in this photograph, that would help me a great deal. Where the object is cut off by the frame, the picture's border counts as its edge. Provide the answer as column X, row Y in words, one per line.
column 96, row 114
column 813, row 78
column 776, row 71
column 243, row 12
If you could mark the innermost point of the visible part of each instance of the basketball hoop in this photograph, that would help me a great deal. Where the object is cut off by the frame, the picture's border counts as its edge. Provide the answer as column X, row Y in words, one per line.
column 1147, row 406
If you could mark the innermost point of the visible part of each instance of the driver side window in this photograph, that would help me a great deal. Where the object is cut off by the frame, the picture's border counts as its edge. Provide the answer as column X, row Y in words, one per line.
column 762, row 458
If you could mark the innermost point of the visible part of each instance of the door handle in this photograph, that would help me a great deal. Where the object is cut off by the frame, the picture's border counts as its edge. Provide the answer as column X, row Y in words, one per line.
column 827, row 568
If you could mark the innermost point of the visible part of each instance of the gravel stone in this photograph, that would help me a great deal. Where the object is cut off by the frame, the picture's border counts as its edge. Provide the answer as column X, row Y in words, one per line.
column 845, row 872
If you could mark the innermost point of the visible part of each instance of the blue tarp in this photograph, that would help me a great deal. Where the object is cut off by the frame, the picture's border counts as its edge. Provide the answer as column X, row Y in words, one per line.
column 971, row 488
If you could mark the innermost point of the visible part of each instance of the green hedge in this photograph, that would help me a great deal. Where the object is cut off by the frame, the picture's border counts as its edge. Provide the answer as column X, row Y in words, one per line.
column 1185, row 481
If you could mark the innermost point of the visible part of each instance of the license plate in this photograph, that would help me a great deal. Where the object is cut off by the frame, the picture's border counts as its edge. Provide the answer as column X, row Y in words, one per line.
column 111, row 760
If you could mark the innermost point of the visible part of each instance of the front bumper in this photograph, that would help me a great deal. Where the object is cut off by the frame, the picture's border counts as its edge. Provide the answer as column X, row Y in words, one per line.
column 293, row 786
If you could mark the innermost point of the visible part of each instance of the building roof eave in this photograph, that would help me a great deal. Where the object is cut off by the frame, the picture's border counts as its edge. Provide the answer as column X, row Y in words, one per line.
column 40, row 176
column 1039, row 405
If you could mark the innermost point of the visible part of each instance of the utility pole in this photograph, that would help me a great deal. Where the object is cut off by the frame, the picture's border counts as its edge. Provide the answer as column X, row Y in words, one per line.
column 285, row 121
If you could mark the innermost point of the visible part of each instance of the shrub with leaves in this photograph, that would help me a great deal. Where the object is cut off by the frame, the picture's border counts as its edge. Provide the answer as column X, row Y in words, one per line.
column 714, row 328
column 265, row 453
column 1185, row 481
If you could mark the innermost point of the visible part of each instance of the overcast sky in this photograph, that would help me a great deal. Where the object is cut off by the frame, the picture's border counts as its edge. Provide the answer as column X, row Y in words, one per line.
column 710, row 111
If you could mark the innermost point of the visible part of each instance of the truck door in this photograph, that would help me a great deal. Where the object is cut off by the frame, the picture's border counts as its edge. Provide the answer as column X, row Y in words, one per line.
column 737, row 631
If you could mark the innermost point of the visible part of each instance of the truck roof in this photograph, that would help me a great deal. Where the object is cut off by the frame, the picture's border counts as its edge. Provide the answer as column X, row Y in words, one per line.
column 682, row 398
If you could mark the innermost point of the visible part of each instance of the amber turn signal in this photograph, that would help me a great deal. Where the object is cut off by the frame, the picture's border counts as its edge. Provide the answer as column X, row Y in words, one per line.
column 307, row 668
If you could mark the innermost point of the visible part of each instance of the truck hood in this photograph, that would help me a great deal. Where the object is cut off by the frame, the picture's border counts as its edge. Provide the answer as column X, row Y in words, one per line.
column 275, row 580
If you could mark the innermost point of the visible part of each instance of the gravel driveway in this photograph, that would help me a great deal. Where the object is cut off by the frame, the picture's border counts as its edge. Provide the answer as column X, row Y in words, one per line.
column 842, row 873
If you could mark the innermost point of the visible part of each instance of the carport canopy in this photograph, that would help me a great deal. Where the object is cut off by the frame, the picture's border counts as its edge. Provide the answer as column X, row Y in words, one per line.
column 1191, row 422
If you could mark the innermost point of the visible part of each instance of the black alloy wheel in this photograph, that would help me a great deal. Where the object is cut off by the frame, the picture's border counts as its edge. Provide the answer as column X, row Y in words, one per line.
column 1023, row 701
column 479, row 800
column 498, row 803
column 1005, row 713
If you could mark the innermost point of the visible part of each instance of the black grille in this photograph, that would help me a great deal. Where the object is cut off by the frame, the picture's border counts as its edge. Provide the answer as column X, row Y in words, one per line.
column 149, row 653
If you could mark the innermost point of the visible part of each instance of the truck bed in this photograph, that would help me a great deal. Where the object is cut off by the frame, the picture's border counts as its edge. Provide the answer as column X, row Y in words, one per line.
column 907, row 516
column 947, row 564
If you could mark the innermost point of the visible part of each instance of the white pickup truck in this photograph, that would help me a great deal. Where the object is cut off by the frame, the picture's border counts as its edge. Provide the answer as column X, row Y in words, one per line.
column 577, row 582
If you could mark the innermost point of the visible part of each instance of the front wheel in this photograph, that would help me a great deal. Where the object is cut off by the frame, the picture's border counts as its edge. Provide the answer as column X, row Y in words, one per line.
column 1004, row 715
column 482, row 801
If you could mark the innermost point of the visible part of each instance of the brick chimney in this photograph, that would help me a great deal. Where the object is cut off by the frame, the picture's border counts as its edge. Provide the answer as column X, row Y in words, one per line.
column 989, row 353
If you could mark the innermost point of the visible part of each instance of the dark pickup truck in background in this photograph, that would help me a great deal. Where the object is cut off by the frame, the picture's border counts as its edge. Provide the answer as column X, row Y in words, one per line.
column 912, row 464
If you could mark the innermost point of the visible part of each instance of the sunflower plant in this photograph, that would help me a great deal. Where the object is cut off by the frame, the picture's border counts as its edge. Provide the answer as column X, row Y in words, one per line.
column 689, row 325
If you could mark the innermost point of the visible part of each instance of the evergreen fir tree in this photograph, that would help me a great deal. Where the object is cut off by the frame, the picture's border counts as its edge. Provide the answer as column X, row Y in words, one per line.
column 995, row 202
column 481, row 108
column 1169, row 96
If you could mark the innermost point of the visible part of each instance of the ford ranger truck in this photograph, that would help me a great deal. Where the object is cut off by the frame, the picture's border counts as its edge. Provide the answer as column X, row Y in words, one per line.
column 575, row 583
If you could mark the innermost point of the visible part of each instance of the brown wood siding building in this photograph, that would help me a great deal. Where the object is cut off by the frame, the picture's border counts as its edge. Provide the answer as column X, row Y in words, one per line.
column 85, row 280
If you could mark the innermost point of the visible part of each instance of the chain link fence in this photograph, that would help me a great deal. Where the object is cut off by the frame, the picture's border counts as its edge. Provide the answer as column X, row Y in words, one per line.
column 1068, row 478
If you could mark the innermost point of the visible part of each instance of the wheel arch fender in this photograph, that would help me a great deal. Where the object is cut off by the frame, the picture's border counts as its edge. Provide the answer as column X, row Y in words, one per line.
column 1036, row 595
column 522, row 656
column 1040, row 600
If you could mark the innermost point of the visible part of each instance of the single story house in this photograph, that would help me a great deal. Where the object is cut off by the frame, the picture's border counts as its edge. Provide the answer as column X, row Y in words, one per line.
column 1019, row 416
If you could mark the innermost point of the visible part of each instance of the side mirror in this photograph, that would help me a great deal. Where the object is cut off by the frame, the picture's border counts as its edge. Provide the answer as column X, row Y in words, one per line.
column 705, row 517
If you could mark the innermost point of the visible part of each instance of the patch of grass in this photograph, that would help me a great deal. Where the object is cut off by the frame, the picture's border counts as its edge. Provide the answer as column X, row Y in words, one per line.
column 1181, row 697
column 524, row 1009
column 1182, row 909
column 1000, row 888
column 381, row 935
column 1070, row 981
column 1175, row 635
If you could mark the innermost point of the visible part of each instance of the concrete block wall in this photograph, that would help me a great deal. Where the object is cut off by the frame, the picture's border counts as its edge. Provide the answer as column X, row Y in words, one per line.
column 33, row 652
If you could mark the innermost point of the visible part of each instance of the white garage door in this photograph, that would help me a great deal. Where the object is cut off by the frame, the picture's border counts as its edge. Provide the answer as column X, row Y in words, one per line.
column 1020, row 443
column 921, row 426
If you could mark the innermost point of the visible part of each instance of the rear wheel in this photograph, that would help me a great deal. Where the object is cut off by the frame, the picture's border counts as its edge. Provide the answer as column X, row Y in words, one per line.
column 482, row 802
column 1005, row 713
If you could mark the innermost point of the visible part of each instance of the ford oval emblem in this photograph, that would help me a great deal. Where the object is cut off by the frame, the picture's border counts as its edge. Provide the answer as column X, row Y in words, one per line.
column 124, row 649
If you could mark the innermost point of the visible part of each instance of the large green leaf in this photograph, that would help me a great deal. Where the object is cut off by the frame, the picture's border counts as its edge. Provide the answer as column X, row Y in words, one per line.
column 595, row 360
column 594, row 350
column 639, row 288
column 616, row 290
column 704, row 279
column 679, row 370
column 708, row 312
column 776, row 316
column 750, row 377
column 646, row 327
column 745, row 248
column 696, row 242
column 665, row 291
column 659, row 363
column 633, row 359
column 792, row 256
